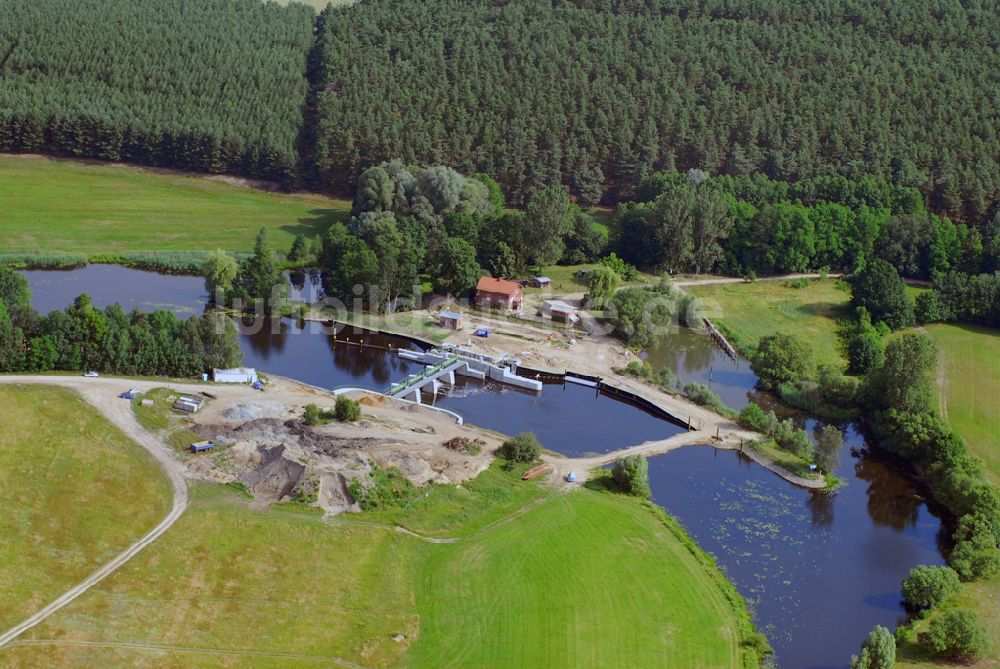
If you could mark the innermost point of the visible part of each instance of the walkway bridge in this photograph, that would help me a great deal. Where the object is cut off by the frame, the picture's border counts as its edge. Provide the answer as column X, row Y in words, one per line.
column 430, row 376
column 442, row 364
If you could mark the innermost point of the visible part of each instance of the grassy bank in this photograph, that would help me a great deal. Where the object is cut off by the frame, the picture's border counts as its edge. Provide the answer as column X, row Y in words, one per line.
column 74, row 492
column 56, row 208
column 543, row 590
column 969, row 387
column 535, row 578
column 748, row 311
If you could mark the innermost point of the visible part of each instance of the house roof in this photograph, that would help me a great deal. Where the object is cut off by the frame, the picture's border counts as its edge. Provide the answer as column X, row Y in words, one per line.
column 450, row 315
column 559, row 305
column 543, row 279
column 243, row 371
column 490, row 285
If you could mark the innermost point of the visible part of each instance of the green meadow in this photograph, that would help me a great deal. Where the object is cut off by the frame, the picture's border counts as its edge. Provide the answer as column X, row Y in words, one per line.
column 519, row 575
column 749, row 311
column 50, row 206
column 969, row 387
column 74, row 492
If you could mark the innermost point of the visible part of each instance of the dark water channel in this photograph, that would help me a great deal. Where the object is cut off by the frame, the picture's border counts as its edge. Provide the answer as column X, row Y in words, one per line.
column 819, row 570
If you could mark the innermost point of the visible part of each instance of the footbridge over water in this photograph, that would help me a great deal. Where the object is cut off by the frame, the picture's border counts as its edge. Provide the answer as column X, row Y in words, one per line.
column 442, row 365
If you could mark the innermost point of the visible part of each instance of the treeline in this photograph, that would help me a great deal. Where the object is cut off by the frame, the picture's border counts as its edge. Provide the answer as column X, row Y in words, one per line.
column 594, row 95
column 412, row 221
column 214, row 85
column 83, row 337
column 590, row 95
column 690, row 222
column 961, row 297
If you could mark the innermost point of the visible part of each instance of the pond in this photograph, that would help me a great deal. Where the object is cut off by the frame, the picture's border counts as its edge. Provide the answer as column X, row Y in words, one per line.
column 819, row 570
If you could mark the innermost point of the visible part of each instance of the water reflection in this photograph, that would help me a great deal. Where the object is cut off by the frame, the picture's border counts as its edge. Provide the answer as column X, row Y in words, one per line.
column 54, row 289
column 892, row 501
column 694, row 356
column 819, row 570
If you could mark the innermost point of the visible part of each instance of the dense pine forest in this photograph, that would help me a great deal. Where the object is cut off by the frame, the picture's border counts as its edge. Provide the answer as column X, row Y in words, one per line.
column 211, row 85
column 593, row 94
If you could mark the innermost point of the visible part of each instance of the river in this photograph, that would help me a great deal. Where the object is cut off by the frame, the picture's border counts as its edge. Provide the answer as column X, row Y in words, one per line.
column 819, row 570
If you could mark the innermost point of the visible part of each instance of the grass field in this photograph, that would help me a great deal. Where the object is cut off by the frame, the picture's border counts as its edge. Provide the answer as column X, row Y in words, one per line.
column 535, row 578
column 584, row 580
column 983, row 597
column 74, row 492
column 969, row 396
column 52, row 206
column 750, row 311
column 969, row 399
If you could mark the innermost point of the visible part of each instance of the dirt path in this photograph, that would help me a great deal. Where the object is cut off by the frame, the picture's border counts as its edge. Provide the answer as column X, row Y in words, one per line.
column 182, row 649
column 940, row 378
column 121, row 415
column 707, row 281
column 581, row 467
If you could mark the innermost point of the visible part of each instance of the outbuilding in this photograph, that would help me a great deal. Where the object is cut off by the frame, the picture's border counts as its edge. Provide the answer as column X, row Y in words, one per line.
column 499, row 294
column 201, row 446
column 236, row 375
column 560, row 311
column 451, row 320
column 541, row 282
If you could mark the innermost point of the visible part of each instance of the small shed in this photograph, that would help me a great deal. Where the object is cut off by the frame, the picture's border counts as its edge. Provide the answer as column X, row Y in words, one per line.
column 560, row 311
column 541, row 282
column 236, row 375
column 451, row 320
column 201, row 446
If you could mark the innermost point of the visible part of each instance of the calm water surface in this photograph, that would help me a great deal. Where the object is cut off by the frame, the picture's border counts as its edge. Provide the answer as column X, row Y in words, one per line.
column 819, row 570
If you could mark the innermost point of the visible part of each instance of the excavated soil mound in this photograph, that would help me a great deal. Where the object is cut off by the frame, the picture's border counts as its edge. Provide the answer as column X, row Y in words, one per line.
column 276, row 476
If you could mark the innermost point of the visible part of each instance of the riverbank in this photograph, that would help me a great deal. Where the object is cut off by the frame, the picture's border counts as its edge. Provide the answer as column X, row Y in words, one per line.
column 419, row 598
column 597, row 355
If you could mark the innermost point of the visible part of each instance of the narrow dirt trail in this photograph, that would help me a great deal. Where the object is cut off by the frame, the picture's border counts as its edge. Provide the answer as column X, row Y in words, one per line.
column 940, row 378
column 183, row 649
column 121, row 416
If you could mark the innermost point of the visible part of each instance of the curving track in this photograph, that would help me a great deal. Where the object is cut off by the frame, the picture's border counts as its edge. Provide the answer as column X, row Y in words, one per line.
column 101, row 393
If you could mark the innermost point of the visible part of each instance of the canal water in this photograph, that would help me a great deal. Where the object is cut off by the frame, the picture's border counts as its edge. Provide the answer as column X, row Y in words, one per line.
column 819, row 570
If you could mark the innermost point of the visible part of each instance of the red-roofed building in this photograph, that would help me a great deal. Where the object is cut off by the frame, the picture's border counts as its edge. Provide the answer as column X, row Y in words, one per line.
column 499, row 294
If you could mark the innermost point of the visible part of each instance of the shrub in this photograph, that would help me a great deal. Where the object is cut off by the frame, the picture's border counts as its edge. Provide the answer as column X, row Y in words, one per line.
column 975, row 554
column 752, row 417
column 927, row 587
column 631, row 473
column 313, row 415
column 347, row 410
column 623, row 269
column 779, row 358
column 957, row 635
column 877, row 652
column 523, row 447
column 828, row 444
column 836, row 388
column 863, row 345
column 703, row 395
column 793, row 439
column 643, row 370
column 928, row 307
column 382, row 488
column 638, row 316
